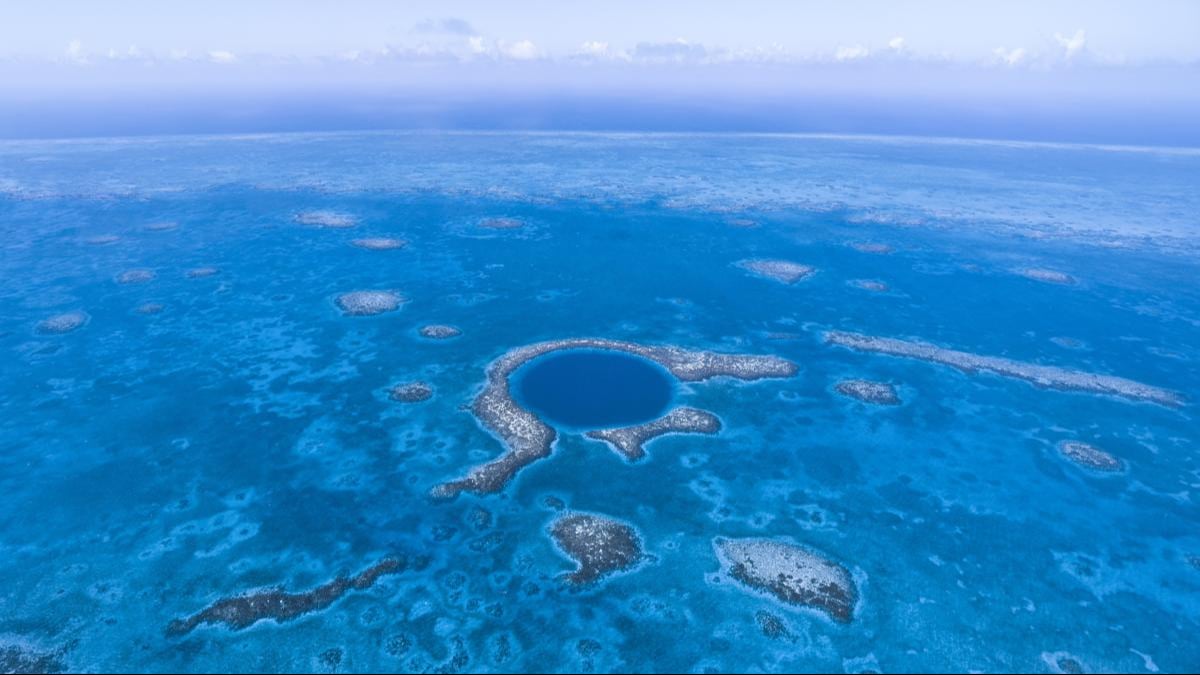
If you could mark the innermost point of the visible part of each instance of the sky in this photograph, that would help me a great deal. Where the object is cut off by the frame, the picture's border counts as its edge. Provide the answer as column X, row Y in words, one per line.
column 1013, row 66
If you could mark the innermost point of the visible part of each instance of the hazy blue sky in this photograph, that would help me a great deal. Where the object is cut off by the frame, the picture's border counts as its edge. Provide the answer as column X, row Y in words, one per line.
column 1129, row 31
column 1010, row 60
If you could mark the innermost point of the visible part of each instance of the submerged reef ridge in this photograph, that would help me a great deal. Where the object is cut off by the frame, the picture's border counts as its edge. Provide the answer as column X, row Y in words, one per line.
column 527, row 438
column 62, row 323
column 323, row 218
column 793, row 574
column 599, row 545
column 501, row 223
column 1049, row 276
column 379, row 243
column 138, row 276
column 1051, row 377
column 18, row 657
column 242, row 611
column 629, row 441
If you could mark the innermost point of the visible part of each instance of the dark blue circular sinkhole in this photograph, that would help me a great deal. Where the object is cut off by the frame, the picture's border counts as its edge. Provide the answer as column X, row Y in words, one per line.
column 593, row 388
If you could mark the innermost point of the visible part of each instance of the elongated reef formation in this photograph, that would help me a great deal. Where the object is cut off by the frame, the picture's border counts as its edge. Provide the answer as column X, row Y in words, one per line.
column 598, row 545
column 527, row 438
column 793, row 574
column 629, row 442
column 242, row 611
column 1051, row 377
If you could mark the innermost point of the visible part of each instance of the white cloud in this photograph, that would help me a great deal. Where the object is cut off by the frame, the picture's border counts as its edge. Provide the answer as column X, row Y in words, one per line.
column 452, row 26
column 522, row 50
column 1010, row 57
column 896, row 43
column 477, row 44
column 851, row 53
column 594, row 48
column 679, row 51
column 75, row 53
column 1074, row 44
column 221, row 56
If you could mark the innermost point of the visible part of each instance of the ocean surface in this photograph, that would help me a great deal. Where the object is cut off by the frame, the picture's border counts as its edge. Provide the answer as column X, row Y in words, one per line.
column 202, row 420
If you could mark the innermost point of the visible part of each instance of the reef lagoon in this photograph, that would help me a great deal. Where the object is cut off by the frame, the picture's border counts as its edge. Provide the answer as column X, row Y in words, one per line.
column 472, row 402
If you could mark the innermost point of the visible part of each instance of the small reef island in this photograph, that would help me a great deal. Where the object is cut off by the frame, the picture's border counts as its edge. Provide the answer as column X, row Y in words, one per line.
column 783, row 271
column 379, row 243
column 527, row 438
column 868, row 391
column 437, row 331
column 368, row 303
column 1090, row 457
column 792, row 574
column 1046, row 275
column 599, row 545
column 411, row 392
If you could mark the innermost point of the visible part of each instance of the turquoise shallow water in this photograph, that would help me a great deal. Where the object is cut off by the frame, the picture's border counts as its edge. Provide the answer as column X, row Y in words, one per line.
column 242, row 437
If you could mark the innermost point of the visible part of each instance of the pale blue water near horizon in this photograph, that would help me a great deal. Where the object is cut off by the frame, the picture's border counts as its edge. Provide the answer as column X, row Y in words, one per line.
column 243, row 438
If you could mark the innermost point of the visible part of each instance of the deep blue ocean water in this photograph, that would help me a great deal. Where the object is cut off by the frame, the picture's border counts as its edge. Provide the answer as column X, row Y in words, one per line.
column 243, row 437
column 591, row 389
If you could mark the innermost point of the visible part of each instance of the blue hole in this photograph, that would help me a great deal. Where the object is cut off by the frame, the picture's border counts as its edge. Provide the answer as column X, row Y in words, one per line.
column 593, row 389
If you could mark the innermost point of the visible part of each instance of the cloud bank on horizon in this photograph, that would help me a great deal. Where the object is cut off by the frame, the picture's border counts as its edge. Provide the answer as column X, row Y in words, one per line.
column 981, row 56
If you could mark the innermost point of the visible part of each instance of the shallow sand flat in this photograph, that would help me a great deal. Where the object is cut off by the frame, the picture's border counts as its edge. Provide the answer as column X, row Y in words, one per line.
column 1051, row 377
column 527, row 438
column 629, row 442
